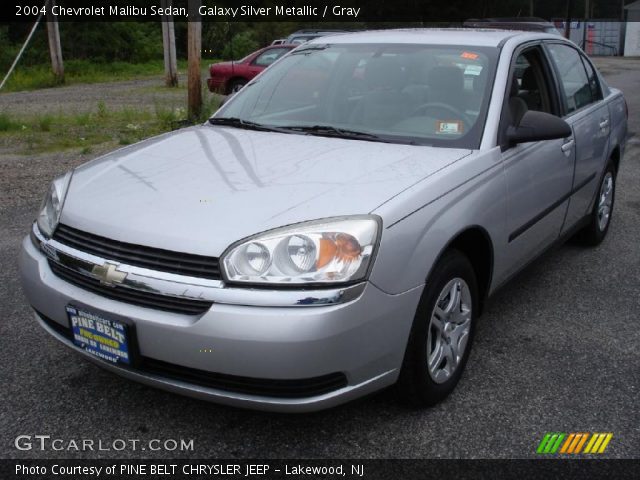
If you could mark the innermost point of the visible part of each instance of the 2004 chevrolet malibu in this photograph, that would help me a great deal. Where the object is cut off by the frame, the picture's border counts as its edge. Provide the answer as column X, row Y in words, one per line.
column 337, row 225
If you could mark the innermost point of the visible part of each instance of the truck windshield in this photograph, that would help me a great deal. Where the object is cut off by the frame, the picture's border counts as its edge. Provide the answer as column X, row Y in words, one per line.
column 401, row 93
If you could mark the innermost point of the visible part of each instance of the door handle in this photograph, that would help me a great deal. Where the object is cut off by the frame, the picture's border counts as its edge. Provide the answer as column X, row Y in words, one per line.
column 604, row 124
column 566, row 147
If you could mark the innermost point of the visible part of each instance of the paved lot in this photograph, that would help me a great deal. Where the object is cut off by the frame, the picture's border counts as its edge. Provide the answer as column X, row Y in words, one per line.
column 557, row 350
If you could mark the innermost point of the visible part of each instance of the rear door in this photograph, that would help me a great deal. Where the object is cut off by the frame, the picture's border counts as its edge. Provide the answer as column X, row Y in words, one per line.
column 588, row 115
column 539, row 175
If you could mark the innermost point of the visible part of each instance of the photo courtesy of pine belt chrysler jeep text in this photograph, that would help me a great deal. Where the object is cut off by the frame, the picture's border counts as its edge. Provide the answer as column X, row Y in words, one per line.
column 337, row 225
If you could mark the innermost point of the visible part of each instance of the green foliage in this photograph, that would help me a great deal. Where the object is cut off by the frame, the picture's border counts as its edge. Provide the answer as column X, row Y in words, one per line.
column 7, row 52
column 56, row 132
column 240, row 46
column 44, row 123
column 96, row 41
column 7, row 124
column 169, row 118
column 82, row 71
column 102, row 109
column 114, row 41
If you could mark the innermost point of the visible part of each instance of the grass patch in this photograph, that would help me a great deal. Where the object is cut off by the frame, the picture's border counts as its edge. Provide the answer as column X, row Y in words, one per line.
column 84, row 71
column 7, row 124
column 85, row 131
column 45, row 122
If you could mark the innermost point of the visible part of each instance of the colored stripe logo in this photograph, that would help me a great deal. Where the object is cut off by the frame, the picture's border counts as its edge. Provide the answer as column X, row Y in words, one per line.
column 573, row 443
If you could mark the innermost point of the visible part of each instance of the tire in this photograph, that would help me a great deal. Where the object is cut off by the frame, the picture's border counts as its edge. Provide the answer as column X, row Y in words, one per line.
column 236, row 85
column 600, row 218
column 422, row 383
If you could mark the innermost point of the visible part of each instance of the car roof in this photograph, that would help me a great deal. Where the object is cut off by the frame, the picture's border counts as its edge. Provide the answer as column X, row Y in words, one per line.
column 482, row 37
column 290, row 46
column 312, row 30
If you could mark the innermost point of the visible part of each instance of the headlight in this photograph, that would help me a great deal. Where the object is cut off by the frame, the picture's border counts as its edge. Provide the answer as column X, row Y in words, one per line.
column 52, row 204
column 335, row 250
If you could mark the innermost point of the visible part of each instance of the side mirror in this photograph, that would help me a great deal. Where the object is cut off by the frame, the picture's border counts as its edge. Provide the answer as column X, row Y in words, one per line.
column 536, row 126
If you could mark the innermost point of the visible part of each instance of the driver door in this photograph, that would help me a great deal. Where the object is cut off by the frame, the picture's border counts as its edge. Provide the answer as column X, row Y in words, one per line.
column 538, row 174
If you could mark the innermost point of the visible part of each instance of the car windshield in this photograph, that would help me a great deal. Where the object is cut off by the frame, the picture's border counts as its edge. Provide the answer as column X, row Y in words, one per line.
column 400, row 93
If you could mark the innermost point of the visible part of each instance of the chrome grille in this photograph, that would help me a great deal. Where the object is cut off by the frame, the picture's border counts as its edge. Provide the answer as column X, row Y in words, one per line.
column 156, row 301
column 139, row 255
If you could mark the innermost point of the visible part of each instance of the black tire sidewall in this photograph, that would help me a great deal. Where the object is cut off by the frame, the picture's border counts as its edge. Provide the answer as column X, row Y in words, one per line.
column 592, row 235
column 609, row 168
column 235, row 84
column 416, row 384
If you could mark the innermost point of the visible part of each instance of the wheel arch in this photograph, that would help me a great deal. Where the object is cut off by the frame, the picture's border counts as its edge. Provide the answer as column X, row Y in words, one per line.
column 232, row 80
column 475, row 243
column 615, row 157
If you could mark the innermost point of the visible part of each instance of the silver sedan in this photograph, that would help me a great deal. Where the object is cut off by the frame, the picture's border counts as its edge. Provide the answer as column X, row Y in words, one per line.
column 336, row 227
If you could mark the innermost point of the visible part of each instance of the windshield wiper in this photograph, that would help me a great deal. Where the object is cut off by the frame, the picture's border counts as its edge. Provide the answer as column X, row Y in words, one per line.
column 308, row 49
column 330, row 131
column 246, row 124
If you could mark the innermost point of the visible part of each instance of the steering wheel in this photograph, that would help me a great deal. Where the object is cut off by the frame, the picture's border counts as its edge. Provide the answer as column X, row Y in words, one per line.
column 451, row 112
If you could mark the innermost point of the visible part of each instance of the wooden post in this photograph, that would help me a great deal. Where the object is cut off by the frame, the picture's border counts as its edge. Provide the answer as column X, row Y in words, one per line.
column 194, row 49
column 567, row 23
column 586, row 21
column 169, row 44
column 55, row 50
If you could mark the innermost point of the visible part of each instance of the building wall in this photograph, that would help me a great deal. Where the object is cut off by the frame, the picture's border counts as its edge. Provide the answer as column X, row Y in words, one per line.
column 632, row 38
column 597, row 36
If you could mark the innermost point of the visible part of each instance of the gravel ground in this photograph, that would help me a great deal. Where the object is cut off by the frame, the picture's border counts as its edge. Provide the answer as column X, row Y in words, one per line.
column 557, row 349
column 84, row 98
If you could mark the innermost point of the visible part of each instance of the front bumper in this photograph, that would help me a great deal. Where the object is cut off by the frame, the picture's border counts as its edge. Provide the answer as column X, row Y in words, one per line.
column 364, row 339
column 215, row 84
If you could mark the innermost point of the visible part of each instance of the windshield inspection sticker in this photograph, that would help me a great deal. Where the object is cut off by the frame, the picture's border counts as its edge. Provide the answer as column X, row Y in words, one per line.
column 449, row 127
column 469, row 55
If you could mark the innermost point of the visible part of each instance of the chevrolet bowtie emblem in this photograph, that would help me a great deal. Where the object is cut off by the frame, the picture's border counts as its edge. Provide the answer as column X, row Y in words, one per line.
column 108, row 274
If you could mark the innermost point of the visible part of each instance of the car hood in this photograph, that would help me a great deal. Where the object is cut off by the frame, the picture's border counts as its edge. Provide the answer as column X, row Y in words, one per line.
column 202, row 188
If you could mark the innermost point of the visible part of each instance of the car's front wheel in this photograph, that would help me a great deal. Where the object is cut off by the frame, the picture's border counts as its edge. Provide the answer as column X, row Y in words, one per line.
column 236, row 86
column 442, row 332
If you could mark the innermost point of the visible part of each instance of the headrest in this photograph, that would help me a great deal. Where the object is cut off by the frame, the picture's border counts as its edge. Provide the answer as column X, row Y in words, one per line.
column 517, row 109
column 529, row 80
column 384, row 71
column 446, row 78
column 515, row 88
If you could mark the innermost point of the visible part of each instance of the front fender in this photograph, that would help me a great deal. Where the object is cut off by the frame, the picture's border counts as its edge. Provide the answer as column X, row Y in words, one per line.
column 421, row 222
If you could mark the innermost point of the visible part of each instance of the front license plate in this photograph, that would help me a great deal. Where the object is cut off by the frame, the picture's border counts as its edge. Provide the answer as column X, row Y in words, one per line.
column 102, row 337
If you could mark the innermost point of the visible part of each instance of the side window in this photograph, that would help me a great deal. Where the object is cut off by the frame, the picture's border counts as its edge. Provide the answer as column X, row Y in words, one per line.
column 577, row 88
column 594, row 83
column 267, row 58
column 529, row 87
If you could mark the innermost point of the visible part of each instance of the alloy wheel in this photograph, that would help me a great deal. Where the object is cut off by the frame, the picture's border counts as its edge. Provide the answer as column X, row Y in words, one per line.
column 449, row 329
column 605, row 201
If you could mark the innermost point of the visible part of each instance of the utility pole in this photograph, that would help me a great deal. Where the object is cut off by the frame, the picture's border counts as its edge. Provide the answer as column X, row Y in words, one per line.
column 169, row 44
column 194, row 50
column 531, row 8
column 622, row 29
column 567, row 22
column 586, row 23
column 55, row 50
